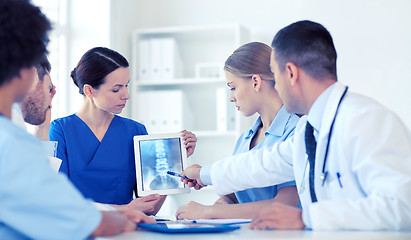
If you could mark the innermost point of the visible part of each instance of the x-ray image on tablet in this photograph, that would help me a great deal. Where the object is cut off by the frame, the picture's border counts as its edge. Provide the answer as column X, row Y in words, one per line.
column 155, row 155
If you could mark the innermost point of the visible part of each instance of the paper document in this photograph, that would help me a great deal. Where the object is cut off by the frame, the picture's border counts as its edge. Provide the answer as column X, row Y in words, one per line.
column 203, row 221
column 50, row 147
column 222, row 221
column 55, row 163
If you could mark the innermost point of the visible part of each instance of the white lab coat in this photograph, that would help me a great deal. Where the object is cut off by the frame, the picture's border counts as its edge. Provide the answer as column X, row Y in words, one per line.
column 371, row 149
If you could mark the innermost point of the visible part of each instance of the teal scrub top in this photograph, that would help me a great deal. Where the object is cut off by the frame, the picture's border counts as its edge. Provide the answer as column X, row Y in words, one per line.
column 280, row 129
column 103, row 171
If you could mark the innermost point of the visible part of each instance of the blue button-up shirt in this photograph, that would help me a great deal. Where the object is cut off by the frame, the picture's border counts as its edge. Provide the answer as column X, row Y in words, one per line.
column 280, row 129
column 36, row 202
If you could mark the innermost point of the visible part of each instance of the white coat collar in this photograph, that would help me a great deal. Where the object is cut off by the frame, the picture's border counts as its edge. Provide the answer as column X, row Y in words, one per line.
column 314, row 116
column 330, row 109
column 327, row 118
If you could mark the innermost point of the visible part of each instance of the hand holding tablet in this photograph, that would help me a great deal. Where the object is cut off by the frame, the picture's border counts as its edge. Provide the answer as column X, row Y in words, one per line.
column 155, row 155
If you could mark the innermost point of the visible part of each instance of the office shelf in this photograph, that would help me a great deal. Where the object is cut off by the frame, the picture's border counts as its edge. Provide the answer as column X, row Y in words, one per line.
column 189, row 99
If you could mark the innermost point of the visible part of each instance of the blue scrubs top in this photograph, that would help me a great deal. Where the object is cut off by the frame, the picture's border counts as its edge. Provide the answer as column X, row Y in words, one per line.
column 35, row 201
column 103, row 171
column 280, row 129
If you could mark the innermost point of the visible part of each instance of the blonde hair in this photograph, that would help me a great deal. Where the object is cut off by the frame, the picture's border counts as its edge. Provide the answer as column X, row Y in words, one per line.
column 251, row 59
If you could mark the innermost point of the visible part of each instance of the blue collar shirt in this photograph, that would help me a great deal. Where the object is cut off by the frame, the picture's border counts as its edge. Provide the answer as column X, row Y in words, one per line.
column 280, row 129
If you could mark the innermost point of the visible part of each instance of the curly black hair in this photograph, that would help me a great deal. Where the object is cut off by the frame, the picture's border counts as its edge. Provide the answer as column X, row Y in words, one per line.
column 23, row 37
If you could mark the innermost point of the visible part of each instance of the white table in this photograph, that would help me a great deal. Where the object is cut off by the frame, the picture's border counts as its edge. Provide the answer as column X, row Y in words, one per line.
column 245, row 233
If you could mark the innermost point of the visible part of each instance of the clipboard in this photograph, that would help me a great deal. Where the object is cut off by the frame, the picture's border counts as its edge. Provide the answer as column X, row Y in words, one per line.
column 178, row 227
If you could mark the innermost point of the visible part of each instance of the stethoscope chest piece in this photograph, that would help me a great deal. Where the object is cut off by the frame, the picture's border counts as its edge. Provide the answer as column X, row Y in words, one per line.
column 302, row 188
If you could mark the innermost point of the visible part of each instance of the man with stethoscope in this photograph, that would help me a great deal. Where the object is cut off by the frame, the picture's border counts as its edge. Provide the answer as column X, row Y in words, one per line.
column 350, row 156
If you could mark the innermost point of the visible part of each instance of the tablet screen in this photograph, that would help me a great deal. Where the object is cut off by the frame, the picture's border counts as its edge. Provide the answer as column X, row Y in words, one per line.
column 155, row 156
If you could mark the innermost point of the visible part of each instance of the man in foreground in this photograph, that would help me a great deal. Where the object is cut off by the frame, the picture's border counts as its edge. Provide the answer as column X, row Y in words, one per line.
column 36, row 202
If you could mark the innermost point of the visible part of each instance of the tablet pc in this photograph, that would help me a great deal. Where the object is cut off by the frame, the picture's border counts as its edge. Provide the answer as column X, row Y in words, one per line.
column 175, row 227
column 155, row 155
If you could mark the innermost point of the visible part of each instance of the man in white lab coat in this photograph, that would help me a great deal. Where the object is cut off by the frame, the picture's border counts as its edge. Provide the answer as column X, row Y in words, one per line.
column 361, row 176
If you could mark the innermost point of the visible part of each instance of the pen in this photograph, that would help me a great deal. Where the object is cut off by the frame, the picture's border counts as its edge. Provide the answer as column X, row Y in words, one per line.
column 185, row 221
column 339, row 180
column 160, row 219
column 176, row 174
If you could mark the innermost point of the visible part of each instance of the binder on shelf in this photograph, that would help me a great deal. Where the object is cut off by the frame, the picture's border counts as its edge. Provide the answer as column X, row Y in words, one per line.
column 221, row 109
column 170, row 66
column 225, row 111
column 155, row 58
column 164, row 111
column 159, row 59
column 209, row 70
column 144, row 60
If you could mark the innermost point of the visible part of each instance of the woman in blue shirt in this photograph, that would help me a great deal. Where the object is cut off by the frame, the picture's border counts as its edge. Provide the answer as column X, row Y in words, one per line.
column 251, row 84
column 95, row 145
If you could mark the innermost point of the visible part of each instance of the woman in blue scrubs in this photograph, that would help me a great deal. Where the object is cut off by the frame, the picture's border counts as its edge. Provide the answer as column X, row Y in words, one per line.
column 251, row 84
column 95, row 144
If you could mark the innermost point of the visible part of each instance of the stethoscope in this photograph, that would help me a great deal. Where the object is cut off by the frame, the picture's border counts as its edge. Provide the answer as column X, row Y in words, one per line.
column 324, row 173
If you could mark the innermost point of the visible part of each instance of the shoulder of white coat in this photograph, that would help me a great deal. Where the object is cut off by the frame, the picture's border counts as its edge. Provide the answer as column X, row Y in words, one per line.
column 365, row 107
column 360, row 102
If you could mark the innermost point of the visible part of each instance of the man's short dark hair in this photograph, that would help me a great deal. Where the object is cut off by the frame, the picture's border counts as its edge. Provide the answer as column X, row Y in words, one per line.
column 43, row 67
column 23, row 37
column 309, row 46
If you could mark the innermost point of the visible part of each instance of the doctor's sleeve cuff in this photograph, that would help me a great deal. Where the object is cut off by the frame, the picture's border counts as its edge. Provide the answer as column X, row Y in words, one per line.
column 205, row 174
column 286, row 184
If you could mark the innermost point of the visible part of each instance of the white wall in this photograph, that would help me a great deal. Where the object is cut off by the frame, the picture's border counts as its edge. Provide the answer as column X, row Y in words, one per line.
column 88, row 27
column 372, row 37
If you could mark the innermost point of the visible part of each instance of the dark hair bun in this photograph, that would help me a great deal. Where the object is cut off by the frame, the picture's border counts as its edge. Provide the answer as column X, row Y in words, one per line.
column 73, row 76
column 95, row 65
